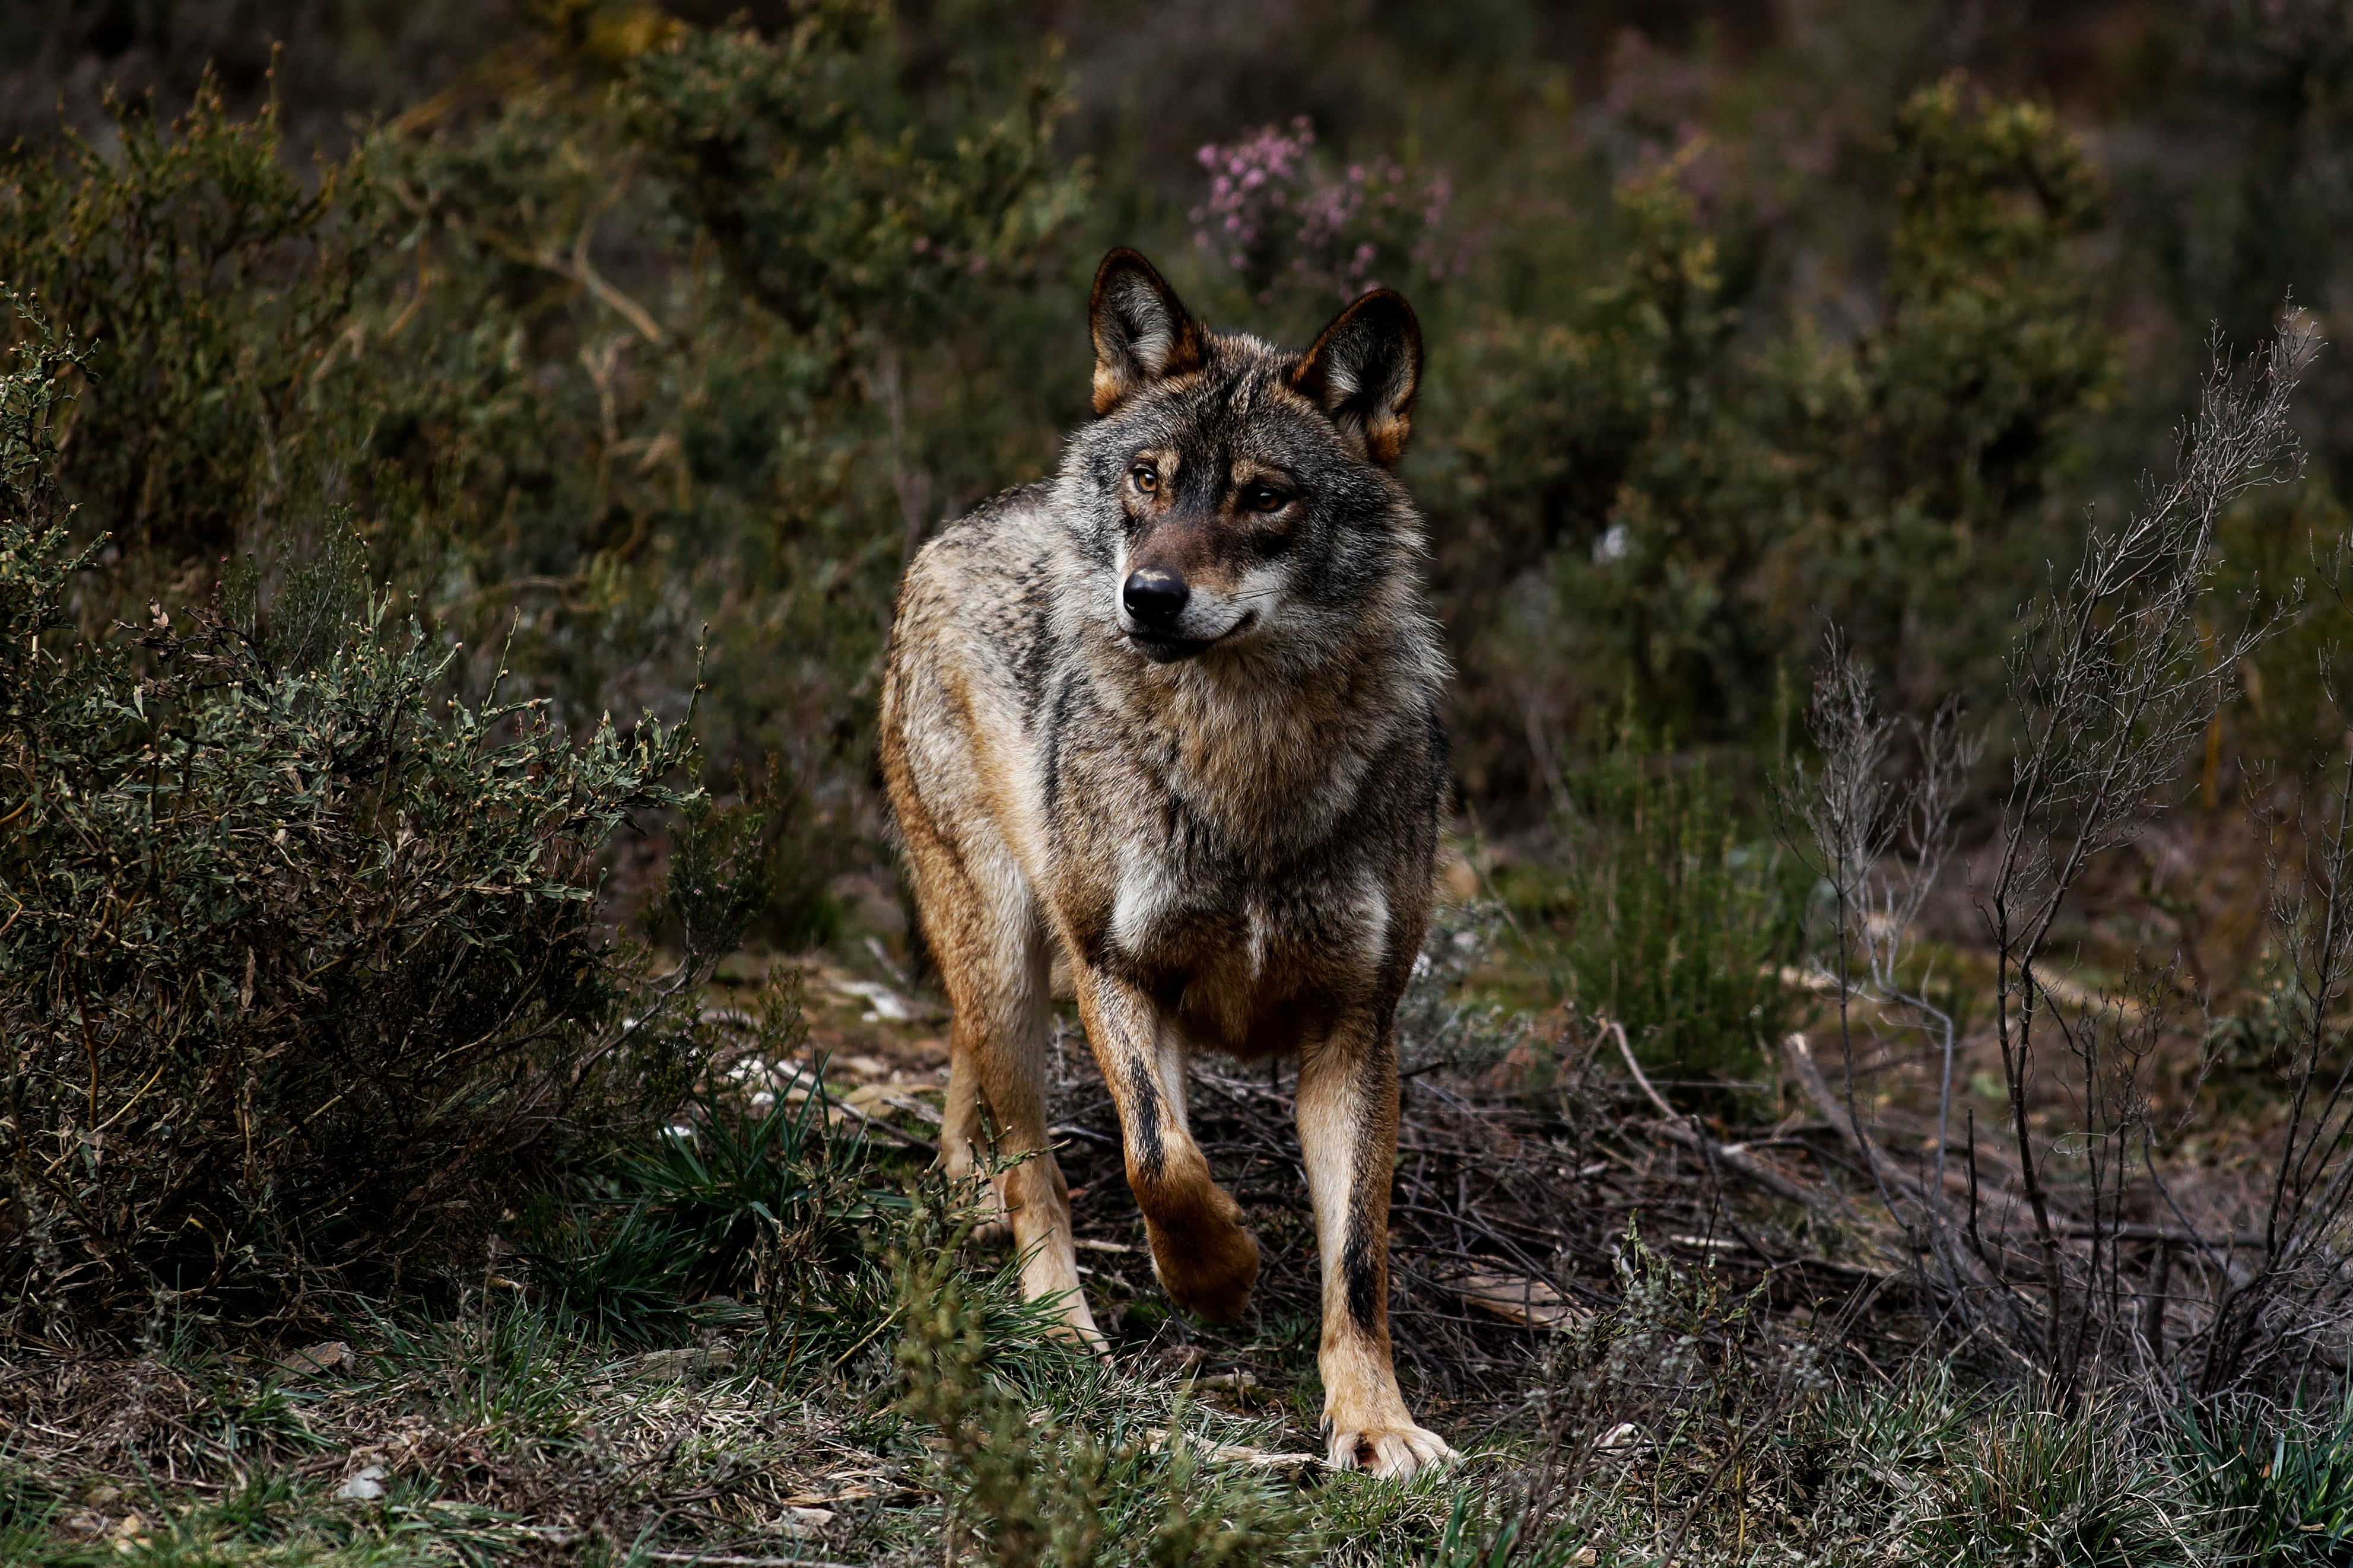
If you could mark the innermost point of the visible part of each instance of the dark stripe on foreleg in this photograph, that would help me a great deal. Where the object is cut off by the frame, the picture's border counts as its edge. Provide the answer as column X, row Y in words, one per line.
column 1360, row 1266
column 1145, row 1129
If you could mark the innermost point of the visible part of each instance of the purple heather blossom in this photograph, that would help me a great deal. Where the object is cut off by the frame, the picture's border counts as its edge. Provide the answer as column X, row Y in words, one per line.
column 1279, row 211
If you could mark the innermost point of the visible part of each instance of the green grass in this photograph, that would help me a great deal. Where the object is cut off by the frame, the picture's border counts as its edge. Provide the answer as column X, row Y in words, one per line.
column 2278, row 1483
column 1671, row 916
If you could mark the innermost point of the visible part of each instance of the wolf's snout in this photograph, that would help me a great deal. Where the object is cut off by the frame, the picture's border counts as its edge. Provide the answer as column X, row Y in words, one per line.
column 1153, row 597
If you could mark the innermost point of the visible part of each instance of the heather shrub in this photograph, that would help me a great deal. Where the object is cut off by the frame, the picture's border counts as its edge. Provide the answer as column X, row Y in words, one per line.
column 673, row 343
column 1285, row 225
column 302, row 970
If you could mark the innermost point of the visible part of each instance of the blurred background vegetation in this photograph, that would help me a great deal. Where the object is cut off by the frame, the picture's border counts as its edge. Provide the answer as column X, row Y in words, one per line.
column 607, row 322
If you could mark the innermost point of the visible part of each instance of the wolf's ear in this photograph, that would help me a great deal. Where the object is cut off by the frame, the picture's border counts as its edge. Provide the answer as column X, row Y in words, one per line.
column 1142, row 330
column 1363, row 372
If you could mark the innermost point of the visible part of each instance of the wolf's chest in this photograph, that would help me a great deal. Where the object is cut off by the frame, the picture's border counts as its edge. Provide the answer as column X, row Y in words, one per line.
column 1254, row 926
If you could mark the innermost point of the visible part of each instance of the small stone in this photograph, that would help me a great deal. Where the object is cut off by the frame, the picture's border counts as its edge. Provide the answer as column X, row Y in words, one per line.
column 325, row 1356
column 365, row 1487
column 671, row 1366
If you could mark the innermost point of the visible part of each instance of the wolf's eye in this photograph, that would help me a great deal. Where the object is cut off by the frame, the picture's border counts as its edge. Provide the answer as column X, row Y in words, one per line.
column 1264, row 497
column 1146, row 478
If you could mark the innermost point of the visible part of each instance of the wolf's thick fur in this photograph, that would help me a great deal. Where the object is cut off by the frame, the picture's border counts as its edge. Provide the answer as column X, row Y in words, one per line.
column 1175, row 711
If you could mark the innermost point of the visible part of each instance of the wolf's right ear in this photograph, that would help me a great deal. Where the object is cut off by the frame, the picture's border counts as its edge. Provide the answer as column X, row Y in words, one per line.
column 1142, row 330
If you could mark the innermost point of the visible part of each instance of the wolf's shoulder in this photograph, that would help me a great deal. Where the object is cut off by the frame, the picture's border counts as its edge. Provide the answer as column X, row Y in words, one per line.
column 982, row 593
column 1001, row 548
column 1011, row 519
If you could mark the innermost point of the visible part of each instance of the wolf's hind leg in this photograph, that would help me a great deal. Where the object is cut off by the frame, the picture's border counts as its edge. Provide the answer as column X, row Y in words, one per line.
column 1347, row 1134
column 993, row 956
column 1206, row 1260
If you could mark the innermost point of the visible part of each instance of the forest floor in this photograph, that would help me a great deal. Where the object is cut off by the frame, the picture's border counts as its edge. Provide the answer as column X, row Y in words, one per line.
column 1653, row 1336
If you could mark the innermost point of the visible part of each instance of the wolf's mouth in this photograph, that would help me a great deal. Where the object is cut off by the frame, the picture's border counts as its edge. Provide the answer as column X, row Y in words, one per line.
column 1162, row 649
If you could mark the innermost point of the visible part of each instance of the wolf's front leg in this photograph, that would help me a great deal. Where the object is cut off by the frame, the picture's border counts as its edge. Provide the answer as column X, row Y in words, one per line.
column 993, row 961
column 1347, row 1132
column 1206, row 1260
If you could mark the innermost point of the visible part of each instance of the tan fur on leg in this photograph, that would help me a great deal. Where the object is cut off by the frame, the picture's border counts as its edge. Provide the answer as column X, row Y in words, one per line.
column 960, row 1134
column 1206, row 1260
column 1347, row 1132
column 993, row 958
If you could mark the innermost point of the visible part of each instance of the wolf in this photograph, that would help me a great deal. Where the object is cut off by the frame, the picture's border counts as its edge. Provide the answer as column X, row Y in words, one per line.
column 1174, row 712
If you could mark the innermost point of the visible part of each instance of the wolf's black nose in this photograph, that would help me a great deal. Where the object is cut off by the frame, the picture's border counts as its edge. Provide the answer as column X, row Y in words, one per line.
column 1156, row 598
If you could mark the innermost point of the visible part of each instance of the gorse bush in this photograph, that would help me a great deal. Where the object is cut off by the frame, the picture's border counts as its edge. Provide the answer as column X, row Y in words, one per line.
column 301, row 964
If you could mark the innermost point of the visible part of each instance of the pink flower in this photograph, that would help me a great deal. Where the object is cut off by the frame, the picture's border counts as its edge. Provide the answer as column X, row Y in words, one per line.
column 1279, row 211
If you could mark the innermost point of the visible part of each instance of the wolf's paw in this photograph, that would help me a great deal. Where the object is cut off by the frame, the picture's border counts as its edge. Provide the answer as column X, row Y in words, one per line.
column 1078, row 1330
column 1390, row 1453
column 1207, row 1270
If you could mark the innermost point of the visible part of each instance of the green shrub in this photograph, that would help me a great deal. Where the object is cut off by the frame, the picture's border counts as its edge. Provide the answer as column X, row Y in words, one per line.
column 301, row 963
column 1040, row 1486
column 678, row 328
column 1669, row 921
column 214, row 282
column 1661, row 482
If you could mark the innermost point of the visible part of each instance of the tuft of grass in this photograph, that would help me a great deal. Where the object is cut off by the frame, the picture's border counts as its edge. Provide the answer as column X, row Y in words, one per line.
column 2058, row 1487
column 2276, row 1483
column 506, row 1375
column 1669, row 920
column 752, row 1196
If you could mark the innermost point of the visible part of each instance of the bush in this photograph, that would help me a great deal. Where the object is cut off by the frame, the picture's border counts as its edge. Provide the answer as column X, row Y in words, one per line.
column 217, row 282
column 302, row 965
column 1670, row 922
column 675, row 328
column 1659, row 483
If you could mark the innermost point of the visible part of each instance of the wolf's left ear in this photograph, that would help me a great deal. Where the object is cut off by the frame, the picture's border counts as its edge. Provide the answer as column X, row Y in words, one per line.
column 1142, row 331
column 1363, row 372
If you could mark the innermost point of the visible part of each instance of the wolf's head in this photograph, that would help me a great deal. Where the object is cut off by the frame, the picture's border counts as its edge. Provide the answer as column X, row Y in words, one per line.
column 1236, row 494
